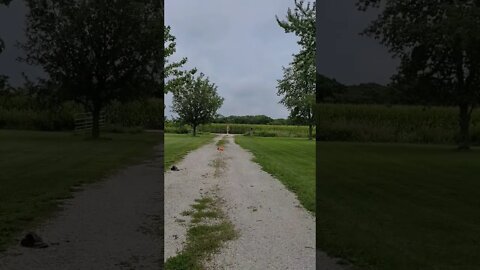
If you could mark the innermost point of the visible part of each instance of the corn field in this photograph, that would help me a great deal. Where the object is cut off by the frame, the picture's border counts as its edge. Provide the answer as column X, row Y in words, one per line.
column 377, row 123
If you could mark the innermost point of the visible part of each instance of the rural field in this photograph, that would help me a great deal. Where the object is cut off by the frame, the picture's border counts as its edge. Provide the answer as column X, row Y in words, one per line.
column 258, row 130
column 40, row 168
column 397, row 123
column 399, row 206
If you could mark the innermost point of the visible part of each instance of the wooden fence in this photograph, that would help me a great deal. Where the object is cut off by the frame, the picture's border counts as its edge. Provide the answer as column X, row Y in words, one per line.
column 84, row 122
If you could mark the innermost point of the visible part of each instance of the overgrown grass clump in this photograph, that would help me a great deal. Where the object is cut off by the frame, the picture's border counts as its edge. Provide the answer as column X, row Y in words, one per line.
column 222, row 142
column 208, row 231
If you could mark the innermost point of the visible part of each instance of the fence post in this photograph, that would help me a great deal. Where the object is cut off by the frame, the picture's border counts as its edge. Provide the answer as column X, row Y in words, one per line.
column 84, row 122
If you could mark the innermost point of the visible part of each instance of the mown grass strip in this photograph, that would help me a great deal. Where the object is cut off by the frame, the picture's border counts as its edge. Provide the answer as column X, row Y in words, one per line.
column 290, row 160
column 178, row 146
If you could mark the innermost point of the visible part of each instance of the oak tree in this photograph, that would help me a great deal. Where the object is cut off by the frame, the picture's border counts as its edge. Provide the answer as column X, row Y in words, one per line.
column 299, row 79
column 98, row 51
column 438, row 45
column 196, row 101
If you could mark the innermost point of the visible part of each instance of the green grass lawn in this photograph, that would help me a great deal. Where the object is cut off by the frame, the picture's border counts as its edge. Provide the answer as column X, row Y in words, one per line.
column 387, row 206
column 178, row 145
column 38, row 168
column 291, row 160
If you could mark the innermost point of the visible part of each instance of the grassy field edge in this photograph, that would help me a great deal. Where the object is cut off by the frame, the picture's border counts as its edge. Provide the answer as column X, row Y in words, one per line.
column 290, row 160
column 177, row 146
column 59, row 165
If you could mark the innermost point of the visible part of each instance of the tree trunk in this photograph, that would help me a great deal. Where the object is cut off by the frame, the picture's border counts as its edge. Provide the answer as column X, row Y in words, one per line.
column 96, row 122
column 310, row 132
column 465, row 115
column 194, row 130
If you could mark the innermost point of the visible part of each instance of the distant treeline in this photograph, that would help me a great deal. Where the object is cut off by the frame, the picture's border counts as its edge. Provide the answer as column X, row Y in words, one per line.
column 333, row 91
column 246, row 129
column 252, row 119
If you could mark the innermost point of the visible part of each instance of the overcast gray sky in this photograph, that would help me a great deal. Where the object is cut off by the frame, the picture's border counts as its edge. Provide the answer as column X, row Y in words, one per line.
column 344, row 54
column 12, row 25
column 239, row 45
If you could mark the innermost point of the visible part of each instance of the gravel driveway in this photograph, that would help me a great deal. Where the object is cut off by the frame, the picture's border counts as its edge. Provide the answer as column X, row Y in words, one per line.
column 275, row 232
column 113, row 224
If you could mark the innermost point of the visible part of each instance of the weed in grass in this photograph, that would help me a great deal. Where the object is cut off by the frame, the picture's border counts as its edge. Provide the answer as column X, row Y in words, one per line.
column 204, row 200
column 209, row 238
column 219, row 164
column 200, row 206
column 222, row 142
column 187, row 213
column 203, row 239
column 206, row 214
column 200, row 215
column 183, row 261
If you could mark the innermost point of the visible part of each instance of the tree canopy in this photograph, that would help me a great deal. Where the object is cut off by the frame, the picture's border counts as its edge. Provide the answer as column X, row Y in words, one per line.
column 175, row 77
column 196, row 101
column 438, row 45
column 244, row 119
column 298, row 85
column 98, row 51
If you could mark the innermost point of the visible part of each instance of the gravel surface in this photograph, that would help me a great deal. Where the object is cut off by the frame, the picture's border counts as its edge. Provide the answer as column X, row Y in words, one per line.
column 113, row 224
column 275, row 232
column 196, row 177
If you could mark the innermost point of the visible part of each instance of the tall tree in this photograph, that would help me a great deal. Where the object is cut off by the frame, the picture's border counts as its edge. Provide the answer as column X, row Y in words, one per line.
column 98, row 51
column 438, row 45
column 298, row 96
column 298, row 84
column 301, row 22
column 197, row 101
column 175, row 77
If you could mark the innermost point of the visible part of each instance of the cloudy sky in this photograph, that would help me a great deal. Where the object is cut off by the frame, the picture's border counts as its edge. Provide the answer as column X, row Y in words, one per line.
column 12, row 24
column 342, row 53
column 239, row 45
